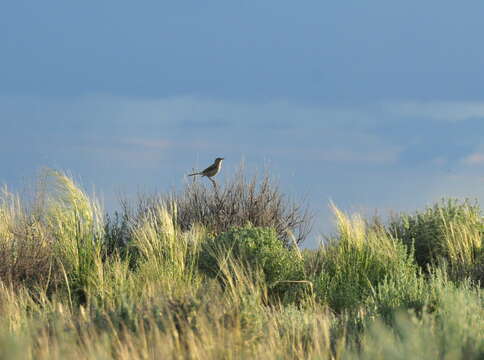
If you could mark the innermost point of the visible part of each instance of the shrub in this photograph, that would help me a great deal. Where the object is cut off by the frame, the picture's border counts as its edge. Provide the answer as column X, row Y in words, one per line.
column 255, row 248
column 453, row 330
column 26, row 254
column 117, row 234
column 451, row 230
column 241, row 201
column 357, row 261
column 216, row 209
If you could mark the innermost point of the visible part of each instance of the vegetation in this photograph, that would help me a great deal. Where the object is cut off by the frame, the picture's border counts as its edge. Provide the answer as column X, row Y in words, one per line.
column 280, row 268
column 179, row 276
column 450, row 231
column 240, row 201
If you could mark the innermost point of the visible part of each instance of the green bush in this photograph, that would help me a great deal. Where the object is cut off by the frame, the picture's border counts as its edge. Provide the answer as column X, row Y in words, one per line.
column 415, row 292
column 452, row 330
column 450, row 231
column 357, row 261
column 256, row 248
column 408, row 290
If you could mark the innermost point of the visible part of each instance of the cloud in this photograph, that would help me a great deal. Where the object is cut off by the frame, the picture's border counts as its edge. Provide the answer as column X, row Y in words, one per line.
column 378, row 134
column 474, row 159
column 437, row 110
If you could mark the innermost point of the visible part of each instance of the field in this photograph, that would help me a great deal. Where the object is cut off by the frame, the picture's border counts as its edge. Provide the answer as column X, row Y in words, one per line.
column 218, row 273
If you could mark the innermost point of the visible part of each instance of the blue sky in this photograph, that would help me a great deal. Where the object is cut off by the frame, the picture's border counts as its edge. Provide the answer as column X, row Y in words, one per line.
column 375, row 105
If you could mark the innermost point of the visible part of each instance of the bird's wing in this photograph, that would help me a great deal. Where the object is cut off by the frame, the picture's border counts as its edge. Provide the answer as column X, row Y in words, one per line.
column 210, row 168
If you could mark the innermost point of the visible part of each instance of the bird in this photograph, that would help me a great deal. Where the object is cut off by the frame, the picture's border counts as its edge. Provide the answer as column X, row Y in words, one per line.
column 212, row 170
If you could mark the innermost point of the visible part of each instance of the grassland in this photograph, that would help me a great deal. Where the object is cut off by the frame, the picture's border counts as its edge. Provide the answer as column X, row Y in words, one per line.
column 218, row 274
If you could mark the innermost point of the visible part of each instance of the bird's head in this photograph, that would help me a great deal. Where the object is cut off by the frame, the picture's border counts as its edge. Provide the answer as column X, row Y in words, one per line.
column 218, row 160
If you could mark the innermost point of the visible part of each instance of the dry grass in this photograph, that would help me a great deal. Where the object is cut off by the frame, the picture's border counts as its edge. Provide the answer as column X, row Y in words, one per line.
column 26, row 252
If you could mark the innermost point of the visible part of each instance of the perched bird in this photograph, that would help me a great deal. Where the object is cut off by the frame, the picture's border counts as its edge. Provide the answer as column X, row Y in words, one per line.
column 212, row 170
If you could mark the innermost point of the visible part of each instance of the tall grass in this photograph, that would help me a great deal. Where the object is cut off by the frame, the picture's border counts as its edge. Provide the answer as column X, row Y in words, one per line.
column 450, row 231
column 77, row 284
column 76, row 223
column 167, row 253
column 355, row 262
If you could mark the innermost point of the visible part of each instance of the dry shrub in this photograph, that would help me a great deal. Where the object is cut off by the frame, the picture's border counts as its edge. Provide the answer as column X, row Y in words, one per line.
column 26, row 254
column 237, row 202
column 27, row 259
column 56, row 226
column 240, row 201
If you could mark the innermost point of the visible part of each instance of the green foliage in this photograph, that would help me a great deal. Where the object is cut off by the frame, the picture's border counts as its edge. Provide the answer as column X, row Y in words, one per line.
column 454, row 329
column 357, row 262
column 403, row 291
column 413, row 291
column 255, row 247
column 75, row 221
column 450, row 231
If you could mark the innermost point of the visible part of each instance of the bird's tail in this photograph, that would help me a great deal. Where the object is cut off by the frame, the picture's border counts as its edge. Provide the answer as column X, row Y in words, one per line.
column 198, row 173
